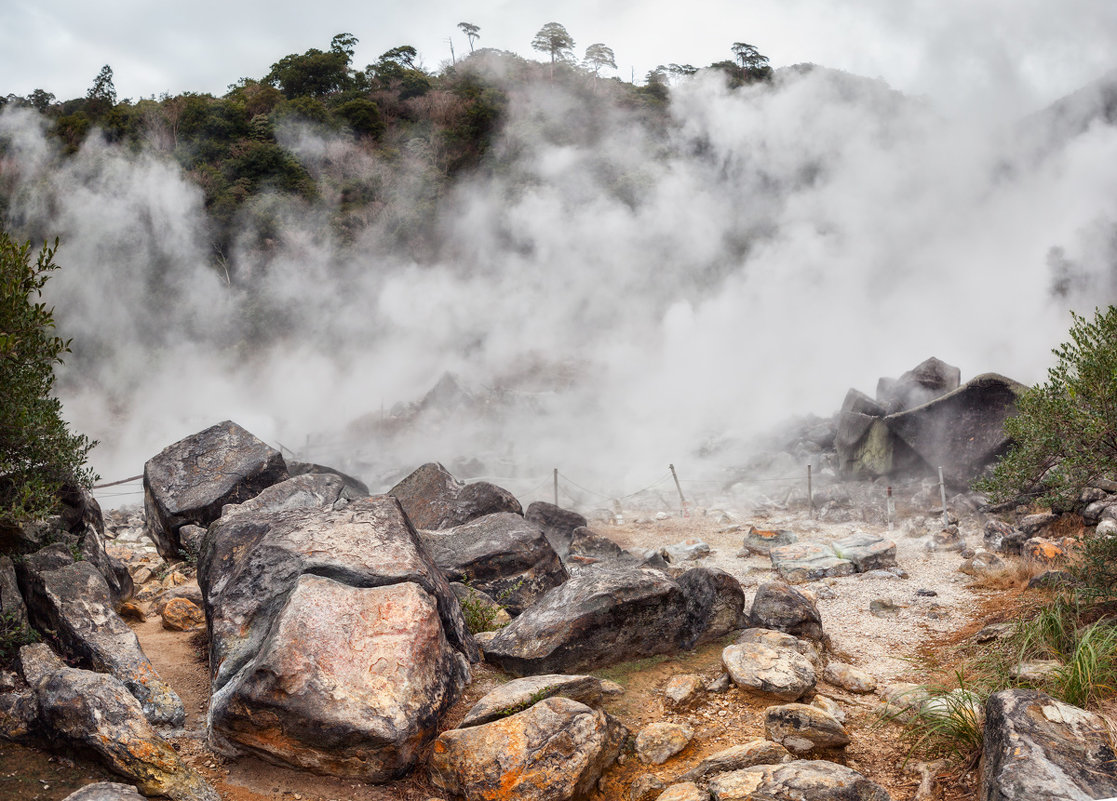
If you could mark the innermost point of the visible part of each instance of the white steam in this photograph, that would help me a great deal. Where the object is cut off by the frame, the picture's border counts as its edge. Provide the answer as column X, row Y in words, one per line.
column 637, row 291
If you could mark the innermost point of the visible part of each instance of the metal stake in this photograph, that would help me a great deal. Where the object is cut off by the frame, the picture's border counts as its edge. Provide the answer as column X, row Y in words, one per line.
column 679, row 487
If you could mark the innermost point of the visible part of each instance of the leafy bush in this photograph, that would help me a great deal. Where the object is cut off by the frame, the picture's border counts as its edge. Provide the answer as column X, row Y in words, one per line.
column 38, row 453
column 1065, row 435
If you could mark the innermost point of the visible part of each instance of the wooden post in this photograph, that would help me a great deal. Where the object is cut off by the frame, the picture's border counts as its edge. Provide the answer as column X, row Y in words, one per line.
column 810, row 491
column 890, row 507
column 556, row 486
column 679, row 487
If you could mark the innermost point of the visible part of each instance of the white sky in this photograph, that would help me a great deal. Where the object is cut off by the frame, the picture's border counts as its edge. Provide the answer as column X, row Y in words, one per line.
column 965, row 54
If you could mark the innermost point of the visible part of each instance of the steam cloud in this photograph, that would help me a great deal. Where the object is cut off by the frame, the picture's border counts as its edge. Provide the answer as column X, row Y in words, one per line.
column 642, row 292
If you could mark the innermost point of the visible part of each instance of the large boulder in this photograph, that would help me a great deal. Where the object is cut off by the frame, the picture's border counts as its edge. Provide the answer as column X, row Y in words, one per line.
column 1037, row 747
column 558, row 524
column 95, row 712
column 433, row 499
column 962, row 431
column 614, row 614
column 335, row 641
column 502, row 554
column 73, row 600
column 191, row 480
column 555, row 750
column 924, row 382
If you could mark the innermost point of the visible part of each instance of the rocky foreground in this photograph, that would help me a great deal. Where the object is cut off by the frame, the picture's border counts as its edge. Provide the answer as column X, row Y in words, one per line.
column 344, row 640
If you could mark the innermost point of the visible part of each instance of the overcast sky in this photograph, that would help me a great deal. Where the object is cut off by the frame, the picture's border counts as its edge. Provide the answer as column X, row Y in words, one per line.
column 962, row 53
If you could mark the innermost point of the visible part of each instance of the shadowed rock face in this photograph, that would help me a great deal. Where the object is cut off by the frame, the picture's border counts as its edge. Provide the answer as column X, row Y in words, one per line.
column 433, row 499
column 1037, row 747
column 502, row 554
column 189, row 481
column 610, row 615
column 335, row 642
column 558, row 524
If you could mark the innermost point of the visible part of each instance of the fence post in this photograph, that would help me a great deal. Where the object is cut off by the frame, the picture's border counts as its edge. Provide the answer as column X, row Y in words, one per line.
column 810, row 491
column 679, row 487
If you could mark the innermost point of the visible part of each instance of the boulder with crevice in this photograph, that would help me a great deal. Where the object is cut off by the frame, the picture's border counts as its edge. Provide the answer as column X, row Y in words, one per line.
column 503, row 555
column 433, row 499
column 191, row 480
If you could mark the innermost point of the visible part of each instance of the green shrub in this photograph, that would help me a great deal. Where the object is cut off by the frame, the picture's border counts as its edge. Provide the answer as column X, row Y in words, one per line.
column 14, row 634
column 1065, row 435
column 38, row 453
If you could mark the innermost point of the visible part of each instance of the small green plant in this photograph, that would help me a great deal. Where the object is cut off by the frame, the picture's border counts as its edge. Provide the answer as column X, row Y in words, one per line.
column 943, row 721
column 480, row 613
column 14, row 634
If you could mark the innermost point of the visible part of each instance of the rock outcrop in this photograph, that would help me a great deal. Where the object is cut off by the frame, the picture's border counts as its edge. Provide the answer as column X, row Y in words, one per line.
column 801, row 780
column 73, row 600
column 191, row 480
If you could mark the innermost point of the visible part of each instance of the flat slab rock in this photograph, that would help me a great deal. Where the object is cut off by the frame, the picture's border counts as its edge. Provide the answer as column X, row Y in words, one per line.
column 519, row 694
column 808, row 561
column 1037, row 747
column 738, row 757
column 801, row 780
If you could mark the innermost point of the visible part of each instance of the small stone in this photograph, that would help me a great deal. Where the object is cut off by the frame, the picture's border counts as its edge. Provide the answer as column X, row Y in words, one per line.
column 129, row 610
column 658, row 742
column 1036, row 671
column 684, row 690
column 883, row 607
column 849, row 678
column 830, row 707
column 141, row 575
column 719, row 684
column 645, row 787
column 925, row 593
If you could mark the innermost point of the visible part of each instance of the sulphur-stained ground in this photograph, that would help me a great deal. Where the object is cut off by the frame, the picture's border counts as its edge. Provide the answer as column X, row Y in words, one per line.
column 931, row 605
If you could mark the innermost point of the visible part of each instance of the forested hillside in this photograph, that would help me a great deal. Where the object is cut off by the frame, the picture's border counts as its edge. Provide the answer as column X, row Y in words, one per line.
column 237, row 147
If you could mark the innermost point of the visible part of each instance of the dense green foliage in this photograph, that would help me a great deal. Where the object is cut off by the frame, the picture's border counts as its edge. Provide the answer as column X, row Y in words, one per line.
column 238, row 147
column 38, row 453
column 1065, row 435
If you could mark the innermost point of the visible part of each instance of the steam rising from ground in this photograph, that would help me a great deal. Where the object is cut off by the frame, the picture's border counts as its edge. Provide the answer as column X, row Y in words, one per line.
column 632, row 293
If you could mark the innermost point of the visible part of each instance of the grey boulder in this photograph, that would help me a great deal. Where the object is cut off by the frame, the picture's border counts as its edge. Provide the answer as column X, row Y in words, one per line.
column 433, row 499
column 191, row 480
